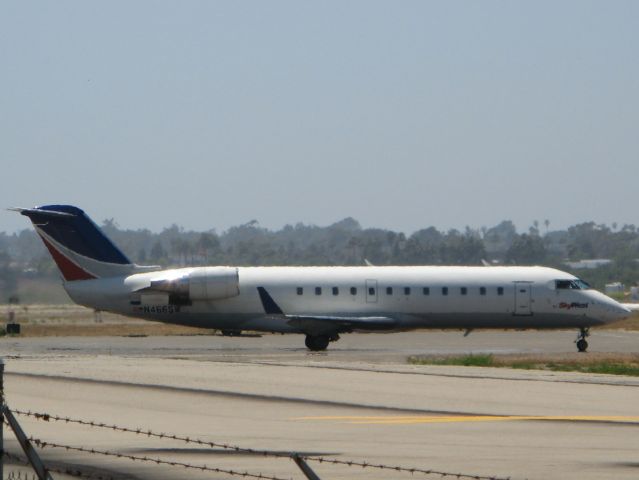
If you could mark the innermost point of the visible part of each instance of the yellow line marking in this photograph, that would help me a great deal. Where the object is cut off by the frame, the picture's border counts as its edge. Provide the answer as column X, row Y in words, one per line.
column 415, row 419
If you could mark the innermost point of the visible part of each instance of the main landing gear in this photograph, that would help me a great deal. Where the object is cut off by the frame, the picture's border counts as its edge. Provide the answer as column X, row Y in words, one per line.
column 582, row 344
column 317, row 343
column 231, row 333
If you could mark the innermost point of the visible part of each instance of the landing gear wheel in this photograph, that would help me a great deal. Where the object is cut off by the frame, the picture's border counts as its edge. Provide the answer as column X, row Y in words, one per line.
column 582, row 345
column 231, row 333
column 316, row 343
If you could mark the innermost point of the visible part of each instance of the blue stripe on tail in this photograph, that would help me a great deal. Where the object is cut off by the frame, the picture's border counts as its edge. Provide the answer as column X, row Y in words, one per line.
column 72, row 228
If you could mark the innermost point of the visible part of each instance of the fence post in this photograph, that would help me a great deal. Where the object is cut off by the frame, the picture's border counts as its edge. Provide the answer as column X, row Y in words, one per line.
column 26, row 445
column 1, row 418
column 306, row 470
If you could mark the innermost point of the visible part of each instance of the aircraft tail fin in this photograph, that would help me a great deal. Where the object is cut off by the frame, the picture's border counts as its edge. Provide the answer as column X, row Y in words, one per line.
column 79, row 247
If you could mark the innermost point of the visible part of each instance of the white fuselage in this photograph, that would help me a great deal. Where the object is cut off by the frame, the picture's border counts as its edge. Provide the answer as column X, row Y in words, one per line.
column 416, row 297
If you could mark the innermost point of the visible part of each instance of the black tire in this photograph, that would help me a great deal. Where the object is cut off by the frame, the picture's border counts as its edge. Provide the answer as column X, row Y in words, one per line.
column 231, row 333
column 582, row 345
column 316, row 343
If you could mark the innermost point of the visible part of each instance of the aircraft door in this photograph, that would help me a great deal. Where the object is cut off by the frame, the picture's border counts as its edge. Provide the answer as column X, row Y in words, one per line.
column 371, row 291
column 523, row 298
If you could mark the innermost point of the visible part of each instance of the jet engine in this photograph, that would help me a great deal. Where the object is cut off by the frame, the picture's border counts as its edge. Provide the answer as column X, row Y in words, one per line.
column 200, row 284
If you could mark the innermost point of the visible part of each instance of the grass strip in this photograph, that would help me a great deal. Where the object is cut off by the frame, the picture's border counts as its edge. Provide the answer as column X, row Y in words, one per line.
column 620, row 365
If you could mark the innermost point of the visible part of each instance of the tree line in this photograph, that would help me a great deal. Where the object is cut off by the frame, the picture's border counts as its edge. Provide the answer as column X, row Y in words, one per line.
column 347, row 243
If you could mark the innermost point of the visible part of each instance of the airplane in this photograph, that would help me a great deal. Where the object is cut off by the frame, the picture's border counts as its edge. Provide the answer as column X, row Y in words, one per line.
column 318, row 302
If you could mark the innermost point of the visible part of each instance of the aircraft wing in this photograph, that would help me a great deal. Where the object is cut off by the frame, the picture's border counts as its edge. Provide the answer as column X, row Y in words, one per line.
column 633, row 307
column 318, row 325
column 325, row 324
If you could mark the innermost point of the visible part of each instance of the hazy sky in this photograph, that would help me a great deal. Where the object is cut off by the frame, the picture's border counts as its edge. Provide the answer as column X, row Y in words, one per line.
column 400, row 114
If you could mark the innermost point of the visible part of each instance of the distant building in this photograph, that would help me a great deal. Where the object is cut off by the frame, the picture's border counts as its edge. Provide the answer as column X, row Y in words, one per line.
column 589, row 263
column 616, row 287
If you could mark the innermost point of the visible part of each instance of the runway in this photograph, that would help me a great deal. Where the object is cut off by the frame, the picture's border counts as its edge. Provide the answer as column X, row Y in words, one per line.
column 371, row 348
column 358, row 401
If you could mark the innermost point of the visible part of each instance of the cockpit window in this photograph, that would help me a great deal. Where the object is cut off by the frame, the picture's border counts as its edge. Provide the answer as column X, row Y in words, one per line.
column 583, row 285
column 571, row 285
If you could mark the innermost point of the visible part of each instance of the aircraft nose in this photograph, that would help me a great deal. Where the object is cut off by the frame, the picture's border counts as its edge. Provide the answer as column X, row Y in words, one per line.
column 608, row 309
column 616, row 311
column 622, row 312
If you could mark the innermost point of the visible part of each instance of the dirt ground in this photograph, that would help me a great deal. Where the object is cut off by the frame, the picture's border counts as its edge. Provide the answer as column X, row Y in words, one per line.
column 67, row 320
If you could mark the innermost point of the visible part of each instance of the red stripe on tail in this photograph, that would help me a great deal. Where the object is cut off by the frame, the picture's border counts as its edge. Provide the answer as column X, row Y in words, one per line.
column 70, row 271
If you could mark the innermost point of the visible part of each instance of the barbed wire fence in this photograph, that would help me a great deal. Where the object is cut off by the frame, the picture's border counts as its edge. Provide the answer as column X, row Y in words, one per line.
column 20, row 476
column 30, row 443
column 68, row 470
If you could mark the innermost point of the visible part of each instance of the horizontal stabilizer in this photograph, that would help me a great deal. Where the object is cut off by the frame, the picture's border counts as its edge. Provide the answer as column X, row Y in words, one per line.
column 30, row 212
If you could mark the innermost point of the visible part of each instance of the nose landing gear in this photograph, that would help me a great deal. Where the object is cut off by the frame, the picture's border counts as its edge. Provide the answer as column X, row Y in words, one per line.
column 582, row 344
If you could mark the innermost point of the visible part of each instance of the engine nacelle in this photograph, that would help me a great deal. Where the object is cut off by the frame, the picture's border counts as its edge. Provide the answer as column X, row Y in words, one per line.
column 213, row 283
column 199, row 284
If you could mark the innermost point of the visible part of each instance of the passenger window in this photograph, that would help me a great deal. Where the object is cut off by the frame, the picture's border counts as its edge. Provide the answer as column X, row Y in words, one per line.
column 500, row 290
column 300, row 291
column 406, row 290
column 318, row 290
column 426, row 291
column 464, row 290
column 389, row 290
column 371, row 290
column 482, row 290
column 444, row 290
column 353, row 291
column 335, row 291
